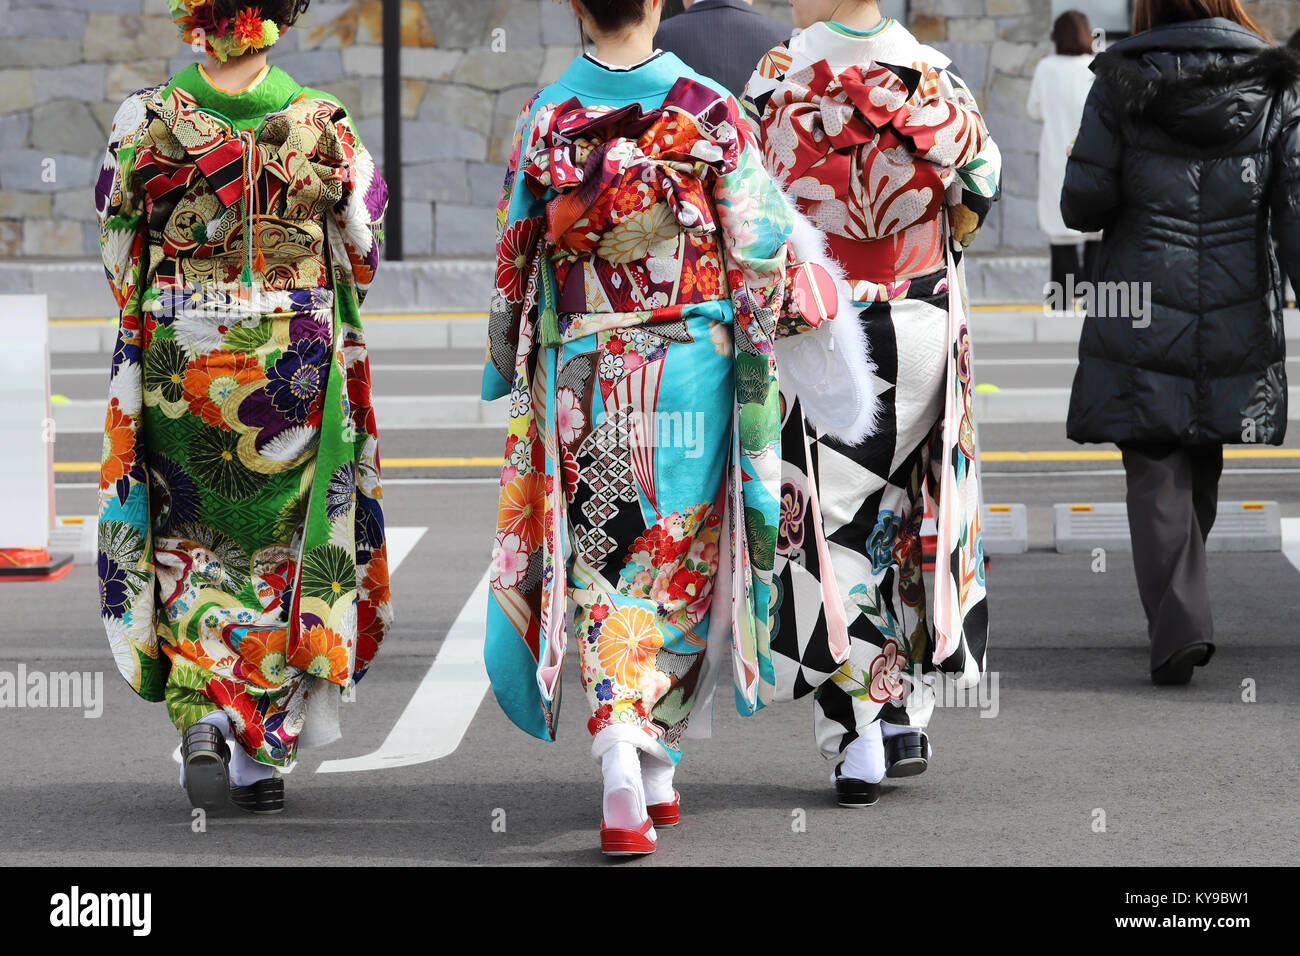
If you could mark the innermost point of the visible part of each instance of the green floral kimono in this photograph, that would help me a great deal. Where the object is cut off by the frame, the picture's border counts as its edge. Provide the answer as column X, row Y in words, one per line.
column 241, row 559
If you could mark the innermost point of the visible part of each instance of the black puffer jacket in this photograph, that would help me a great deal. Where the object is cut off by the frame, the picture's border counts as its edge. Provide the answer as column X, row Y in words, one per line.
column 1189, row 158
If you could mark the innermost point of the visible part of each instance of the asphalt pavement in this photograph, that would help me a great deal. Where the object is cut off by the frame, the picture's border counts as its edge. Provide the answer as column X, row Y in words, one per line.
column 1071, row 757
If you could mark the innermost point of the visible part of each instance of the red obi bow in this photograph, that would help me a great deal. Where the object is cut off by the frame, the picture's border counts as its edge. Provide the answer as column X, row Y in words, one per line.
column 590, row 153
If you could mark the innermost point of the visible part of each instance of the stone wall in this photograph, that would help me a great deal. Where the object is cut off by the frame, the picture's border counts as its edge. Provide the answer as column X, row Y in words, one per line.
column 469, row 65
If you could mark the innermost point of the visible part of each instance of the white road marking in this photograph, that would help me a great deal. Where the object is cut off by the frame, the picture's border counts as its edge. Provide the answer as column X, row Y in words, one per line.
column 401, row 541
column 440, row 711
column 1291, row 540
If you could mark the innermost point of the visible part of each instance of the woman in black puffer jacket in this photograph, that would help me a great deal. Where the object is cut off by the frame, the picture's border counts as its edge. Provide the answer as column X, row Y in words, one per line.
column 1189, row 159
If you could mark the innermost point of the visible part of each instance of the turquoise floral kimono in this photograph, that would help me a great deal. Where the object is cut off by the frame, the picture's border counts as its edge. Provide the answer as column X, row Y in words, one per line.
column 643, row 257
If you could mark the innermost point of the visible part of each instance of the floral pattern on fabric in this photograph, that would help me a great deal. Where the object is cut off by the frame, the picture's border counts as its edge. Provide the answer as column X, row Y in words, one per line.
column 241, row 546
column 873, row 151
column 666, row 247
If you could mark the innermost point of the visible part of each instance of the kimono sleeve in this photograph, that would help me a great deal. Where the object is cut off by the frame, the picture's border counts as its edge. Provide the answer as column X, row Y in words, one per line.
column 764, row 81
column 979, row 180
column 520, row 220
column 125, row 553
column 120, row 200
column 756, row 221
column 359, row 214
column 1091, row 194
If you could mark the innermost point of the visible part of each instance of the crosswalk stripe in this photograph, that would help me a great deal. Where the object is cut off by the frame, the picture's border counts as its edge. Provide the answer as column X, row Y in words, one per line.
column 443, row 706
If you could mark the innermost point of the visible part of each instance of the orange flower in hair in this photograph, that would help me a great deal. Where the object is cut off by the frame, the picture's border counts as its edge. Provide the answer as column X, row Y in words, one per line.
column 248, row 28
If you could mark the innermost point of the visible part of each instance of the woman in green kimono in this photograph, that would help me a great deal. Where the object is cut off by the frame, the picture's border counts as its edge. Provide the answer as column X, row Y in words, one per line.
column 242, row 568
column 646, row 265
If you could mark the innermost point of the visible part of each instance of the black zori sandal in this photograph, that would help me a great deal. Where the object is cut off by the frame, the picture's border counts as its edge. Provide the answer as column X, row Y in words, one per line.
column 855, row 793
column 906, row 755
column 265, row 796
column 206, row 756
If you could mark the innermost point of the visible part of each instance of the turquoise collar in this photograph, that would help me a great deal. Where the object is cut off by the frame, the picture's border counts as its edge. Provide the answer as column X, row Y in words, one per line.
column 861, row 34
column 653, row 77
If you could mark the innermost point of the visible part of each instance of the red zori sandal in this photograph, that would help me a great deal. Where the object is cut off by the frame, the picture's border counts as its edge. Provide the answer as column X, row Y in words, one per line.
column 618, row 842
column 666, row 814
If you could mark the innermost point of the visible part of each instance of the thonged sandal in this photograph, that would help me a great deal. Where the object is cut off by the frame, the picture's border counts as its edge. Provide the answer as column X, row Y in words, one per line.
column 854, row 793
column 666, row 814
column 619, row 842
column 906, row 755
column 205, row 755
column 265, row 796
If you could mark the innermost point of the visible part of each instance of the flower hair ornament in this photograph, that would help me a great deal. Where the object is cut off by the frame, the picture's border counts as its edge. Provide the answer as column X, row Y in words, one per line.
column 223, row 37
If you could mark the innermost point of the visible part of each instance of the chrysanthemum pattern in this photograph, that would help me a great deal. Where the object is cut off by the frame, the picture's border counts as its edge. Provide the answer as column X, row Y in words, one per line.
column 241, row 560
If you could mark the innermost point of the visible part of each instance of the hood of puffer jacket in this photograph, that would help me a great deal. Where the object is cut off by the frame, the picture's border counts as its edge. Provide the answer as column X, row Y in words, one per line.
column 1203, row 81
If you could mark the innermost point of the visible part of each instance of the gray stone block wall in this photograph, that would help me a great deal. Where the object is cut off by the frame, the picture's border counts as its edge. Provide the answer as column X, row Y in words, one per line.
column 468, row 67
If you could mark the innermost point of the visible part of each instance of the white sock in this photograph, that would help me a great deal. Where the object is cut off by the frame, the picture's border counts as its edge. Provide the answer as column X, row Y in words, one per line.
column 624, row 801
column 657, row 778
column 243, row 769
column 864, row 759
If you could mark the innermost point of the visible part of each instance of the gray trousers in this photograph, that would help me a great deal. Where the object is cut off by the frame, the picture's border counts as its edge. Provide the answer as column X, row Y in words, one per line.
column 1173, row 496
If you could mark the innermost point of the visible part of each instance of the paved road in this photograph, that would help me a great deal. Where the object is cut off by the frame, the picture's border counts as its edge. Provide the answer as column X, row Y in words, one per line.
column 1183, row 775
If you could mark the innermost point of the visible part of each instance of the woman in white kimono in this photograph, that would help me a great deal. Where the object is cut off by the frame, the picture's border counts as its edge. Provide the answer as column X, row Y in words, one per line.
column 883, row 147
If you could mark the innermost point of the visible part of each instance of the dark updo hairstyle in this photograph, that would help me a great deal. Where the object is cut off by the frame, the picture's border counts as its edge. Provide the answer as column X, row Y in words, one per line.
column 611, row 16
column 284, row 13
column 1072, row 34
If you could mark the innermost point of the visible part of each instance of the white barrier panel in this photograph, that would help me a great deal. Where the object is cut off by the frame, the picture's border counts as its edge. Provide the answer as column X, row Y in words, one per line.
column 1238, row 526
column 75, row 535
column 26, row 426
column 1005, row 529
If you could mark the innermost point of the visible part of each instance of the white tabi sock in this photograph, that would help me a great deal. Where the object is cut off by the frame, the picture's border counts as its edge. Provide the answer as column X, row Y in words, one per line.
column 624, row 802
column 657, row 778
column 864, row 759
column 243, row 770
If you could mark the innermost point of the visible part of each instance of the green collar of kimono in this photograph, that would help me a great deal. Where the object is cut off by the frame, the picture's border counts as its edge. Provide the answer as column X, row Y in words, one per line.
column 654, row 77
column 276, row 90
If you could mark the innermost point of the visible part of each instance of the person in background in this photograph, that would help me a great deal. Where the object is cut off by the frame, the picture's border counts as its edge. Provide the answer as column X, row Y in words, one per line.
column 1056, row 97
column 722, row 39
column 1189, row 158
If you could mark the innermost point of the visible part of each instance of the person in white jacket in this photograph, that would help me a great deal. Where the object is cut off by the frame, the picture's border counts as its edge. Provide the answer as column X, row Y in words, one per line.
column 1056, row 97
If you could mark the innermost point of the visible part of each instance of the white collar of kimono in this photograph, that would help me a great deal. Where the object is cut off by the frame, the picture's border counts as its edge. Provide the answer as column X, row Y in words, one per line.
column 622, row 69
column 893, row 45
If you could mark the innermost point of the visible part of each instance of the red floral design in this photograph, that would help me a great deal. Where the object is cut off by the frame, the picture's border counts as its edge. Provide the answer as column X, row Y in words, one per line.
column 513, row 253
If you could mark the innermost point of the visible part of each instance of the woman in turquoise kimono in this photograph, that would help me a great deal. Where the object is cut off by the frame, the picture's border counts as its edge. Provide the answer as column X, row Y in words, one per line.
column 644, row 261
column 242, row 567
